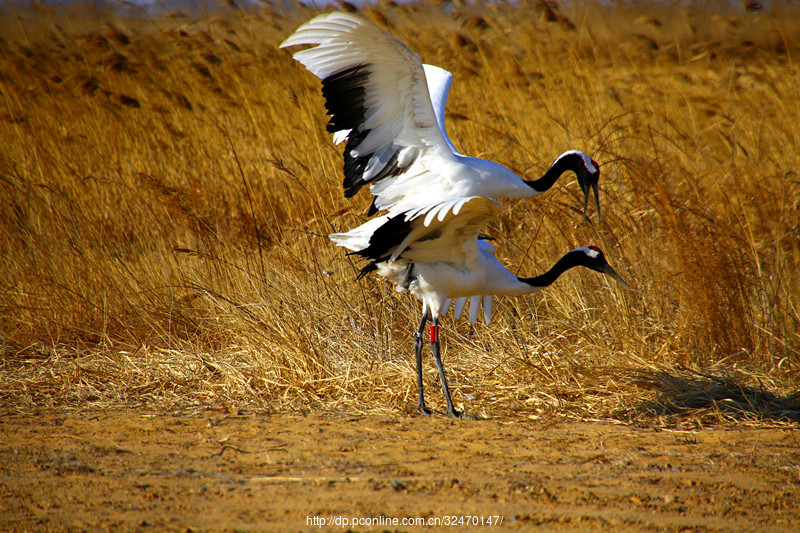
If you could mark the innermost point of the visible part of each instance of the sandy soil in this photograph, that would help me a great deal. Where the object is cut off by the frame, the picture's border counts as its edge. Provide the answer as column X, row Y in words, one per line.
column 125, row 470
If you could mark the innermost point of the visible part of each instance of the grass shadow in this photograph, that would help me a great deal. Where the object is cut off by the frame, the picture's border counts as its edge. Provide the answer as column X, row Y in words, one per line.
column 684, row 395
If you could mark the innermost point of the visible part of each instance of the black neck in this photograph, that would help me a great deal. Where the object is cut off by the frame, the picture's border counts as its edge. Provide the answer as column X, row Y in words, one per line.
column 571, row 260
column 564, row 163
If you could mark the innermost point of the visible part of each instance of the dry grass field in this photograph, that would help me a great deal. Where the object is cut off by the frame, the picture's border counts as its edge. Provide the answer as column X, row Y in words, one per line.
column 167, row 187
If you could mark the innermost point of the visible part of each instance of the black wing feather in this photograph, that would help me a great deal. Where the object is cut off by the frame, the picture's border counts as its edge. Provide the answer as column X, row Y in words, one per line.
column 344, row 95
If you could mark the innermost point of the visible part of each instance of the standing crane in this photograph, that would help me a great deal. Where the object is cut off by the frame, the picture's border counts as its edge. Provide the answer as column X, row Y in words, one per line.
column 434, row 253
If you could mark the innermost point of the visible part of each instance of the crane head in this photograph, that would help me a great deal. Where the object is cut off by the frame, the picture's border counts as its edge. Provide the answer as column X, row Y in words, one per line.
column 588, row 179
column 592, row 257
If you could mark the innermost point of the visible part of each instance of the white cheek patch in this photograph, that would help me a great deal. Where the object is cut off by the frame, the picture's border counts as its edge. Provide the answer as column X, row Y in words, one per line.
column 587, row 161
column 590, row 251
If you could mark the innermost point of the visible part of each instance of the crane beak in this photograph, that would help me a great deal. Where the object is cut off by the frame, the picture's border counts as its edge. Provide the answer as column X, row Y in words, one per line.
column 613, row 273
column 594, row 187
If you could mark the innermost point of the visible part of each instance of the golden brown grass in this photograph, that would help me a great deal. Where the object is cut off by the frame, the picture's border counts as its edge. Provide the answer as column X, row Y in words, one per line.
column 167, row 185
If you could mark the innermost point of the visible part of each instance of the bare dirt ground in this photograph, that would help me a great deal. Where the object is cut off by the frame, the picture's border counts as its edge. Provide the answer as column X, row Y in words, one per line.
column 125, row 470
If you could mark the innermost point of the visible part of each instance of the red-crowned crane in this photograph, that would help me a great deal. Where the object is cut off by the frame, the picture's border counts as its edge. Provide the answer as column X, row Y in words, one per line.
column 390, row 109
column 433, row 252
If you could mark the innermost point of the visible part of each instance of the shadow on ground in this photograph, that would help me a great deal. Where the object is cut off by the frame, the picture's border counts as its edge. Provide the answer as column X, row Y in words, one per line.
column 688, row 394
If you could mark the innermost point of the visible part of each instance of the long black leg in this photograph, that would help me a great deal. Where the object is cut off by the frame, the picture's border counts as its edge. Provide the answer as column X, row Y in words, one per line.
column 418, row 353
column 435, row 349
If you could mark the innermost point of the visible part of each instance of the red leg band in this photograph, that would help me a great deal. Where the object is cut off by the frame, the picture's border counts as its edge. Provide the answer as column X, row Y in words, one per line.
column 434, row 333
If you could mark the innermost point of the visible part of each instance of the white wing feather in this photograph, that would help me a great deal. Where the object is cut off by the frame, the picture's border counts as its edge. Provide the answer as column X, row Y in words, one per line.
column 459, row 307
column 439, row 82
column 398, row 109
column 391, row 111
column 474, row 306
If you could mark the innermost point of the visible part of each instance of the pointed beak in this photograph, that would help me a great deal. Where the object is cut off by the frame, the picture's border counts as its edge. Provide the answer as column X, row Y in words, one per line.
column 596, row 189
column 586, row 191
column 613, row 273
column 585, row 202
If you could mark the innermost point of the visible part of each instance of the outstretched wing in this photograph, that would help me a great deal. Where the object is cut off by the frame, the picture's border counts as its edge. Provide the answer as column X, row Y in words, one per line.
column 439, row 82
column 376, row 94
column 442, row 231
